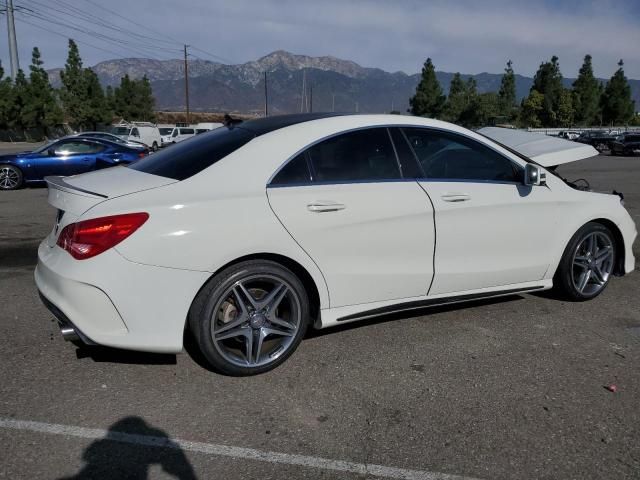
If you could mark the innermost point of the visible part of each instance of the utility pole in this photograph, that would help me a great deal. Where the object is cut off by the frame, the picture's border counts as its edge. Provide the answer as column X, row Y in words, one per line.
column 333, row 102
column 310, row 98
column 266, row 98
column 304, row 91
column 186, row 82
column 357, row 107
column 13, row 46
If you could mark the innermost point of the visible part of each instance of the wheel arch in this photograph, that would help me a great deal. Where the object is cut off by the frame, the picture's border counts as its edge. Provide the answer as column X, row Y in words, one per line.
column 300, row 271
column 618, row 268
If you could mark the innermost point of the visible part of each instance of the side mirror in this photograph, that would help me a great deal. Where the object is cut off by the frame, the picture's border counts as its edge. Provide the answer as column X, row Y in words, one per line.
column 51, row 152
column 534, row 175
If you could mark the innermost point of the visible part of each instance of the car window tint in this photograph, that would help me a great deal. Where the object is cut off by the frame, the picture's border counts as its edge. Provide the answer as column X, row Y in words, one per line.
column 187, row 131
column 408, row 162
column 454, row 157
column 135, row 132
column 77, row 148
column 355, row 156
column 295, row 172
column 185, row 159
column 632, row 138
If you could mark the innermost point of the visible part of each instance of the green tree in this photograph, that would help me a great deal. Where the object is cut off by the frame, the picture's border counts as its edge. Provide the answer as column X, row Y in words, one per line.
column 507, row 92
column 532, row 109
column 133, row 99
column 6, row 99
column 19, row 98
column 429, row 100
column 97, row 109
column 41, row 109
column 586, row 95
column 73, row 93
column 457, row 101
column 617, row 106
column 548, row 82
column 566, row 111
column 481, row 110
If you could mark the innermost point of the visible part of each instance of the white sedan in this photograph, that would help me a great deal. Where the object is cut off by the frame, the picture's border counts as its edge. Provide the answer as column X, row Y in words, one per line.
column 249, row 234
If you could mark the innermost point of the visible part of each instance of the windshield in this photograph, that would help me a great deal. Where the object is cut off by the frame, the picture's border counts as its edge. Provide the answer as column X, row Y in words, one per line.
column 166, row 131
column 121, row 131
column 185, row 159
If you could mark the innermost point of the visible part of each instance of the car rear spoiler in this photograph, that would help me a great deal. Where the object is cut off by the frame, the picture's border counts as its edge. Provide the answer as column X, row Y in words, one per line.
column 543, row 149
column 60, row 184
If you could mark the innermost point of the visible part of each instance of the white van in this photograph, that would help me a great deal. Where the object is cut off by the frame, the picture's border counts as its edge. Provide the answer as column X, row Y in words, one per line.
column 143, row 132
column 171, row 135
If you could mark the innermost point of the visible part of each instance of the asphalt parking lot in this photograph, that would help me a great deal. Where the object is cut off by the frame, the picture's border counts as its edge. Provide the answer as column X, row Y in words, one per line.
column 508, row 389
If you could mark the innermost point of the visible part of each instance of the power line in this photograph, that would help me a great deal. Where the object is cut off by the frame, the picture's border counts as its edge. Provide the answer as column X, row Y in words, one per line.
column 140, row 50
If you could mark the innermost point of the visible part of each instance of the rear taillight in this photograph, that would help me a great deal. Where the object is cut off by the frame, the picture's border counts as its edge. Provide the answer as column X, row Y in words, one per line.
column 142, row 154
column 89, row 238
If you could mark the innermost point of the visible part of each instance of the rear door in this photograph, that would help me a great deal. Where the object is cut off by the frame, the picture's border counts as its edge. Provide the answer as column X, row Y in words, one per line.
column 369, row 230
column 492, row 230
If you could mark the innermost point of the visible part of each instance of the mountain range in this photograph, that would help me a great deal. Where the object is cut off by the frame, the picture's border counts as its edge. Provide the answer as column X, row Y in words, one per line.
column 332, row 84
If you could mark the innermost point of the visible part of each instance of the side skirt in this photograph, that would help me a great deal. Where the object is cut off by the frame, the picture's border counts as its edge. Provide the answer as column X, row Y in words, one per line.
column 433, row 302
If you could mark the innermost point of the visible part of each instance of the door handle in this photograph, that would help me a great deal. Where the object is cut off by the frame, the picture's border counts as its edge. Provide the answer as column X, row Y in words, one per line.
column 328, row 206
column 455, row 197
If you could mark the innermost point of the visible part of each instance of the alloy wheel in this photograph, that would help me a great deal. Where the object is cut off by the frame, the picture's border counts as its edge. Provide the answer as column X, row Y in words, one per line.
column 592, row 263
column 9, row 178
column 256, row 320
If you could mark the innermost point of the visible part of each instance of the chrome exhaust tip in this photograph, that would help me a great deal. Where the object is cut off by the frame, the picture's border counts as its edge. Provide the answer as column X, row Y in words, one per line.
column 69, row 333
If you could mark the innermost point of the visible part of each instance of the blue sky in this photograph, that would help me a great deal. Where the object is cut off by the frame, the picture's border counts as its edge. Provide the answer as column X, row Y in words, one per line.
column 460, row 35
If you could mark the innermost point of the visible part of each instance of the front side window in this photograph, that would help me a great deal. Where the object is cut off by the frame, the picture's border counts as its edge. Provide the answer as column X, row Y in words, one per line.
column 445, row 156
column 362, row 155
column 77, row 148
column 135, row 132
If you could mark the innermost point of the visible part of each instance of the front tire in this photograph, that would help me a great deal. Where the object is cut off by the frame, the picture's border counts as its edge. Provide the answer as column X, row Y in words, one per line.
column 250, row 317
column 11, row 177
column 587, row 263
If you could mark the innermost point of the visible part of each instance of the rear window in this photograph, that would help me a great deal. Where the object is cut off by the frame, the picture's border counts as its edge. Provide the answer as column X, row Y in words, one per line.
column 185, row 159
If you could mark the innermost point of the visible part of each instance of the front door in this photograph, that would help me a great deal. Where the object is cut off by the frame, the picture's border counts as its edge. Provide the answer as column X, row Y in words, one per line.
column 492, row 230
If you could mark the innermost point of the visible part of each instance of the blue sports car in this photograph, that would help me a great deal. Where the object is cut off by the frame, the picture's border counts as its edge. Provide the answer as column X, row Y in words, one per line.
column 68, row 156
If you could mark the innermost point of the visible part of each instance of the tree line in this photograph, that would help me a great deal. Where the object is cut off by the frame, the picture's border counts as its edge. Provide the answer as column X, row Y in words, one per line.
column 549, row 104
column 30, row 102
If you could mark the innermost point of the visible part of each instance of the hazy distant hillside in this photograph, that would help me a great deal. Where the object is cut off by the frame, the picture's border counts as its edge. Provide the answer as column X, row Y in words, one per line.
column 219, row 87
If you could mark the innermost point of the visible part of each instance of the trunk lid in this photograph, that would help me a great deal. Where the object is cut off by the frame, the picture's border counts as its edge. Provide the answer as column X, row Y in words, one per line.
column 543, row 149
column 74, row 195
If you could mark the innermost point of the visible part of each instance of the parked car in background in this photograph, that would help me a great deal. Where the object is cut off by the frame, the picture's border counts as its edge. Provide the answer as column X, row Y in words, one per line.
column 171, row 135
column 569, row 134
column 626, row 144
column 113, row 138
column 255, row 232
column 67, row 156
column 143, row 132
column 600, row 139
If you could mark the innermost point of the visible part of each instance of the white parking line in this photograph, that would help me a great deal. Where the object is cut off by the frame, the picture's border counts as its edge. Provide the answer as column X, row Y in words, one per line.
column 229, row 451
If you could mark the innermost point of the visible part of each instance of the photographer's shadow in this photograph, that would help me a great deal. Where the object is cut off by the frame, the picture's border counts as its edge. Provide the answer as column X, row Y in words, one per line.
column 129, row 449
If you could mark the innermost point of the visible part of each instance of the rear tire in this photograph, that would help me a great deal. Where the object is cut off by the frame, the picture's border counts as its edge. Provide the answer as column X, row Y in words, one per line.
column 154, row 147
column 250, row 318
column 11, row 177
column 587, row 263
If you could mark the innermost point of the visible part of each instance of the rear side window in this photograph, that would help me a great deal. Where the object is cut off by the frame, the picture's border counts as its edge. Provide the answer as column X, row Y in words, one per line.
column 294, row 172
column 187, row 131
column 445, row 156
column 362, row 155
column 185, row 159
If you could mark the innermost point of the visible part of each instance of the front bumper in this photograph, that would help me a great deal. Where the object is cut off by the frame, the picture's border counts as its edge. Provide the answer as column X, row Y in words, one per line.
column 111, row 301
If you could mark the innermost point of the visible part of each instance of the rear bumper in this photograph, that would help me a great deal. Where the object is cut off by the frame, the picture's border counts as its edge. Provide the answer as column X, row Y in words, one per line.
column 108, row 300
column 68, row 330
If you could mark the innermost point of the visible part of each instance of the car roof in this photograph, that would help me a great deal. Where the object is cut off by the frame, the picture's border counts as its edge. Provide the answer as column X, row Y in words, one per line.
column 260, row 126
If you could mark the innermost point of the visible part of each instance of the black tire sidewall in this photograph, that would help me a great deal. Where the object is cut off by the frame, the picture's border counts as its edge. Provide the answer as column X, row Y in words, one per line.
column 564, row 275
column 20, row 176
column 201, row 314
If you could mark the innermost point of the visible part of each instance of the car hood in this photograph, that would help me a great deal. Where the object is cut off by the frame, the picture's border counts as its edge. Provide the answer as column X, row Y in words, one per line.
column 543, row 149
